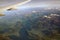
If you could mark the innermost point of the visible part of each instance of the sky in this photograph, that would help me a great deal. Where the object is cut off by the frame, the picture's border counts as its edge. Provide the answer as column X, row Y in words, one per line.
column 44, row 3
column 32, row 3
column 9, row 2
